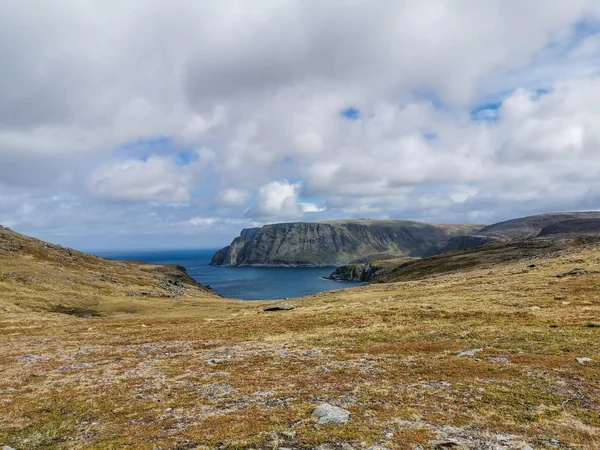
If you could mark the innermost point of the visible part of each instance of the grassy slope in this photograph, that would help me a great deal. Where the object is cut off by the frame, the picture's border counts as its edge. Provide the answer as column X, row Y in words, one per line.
column 386, row 352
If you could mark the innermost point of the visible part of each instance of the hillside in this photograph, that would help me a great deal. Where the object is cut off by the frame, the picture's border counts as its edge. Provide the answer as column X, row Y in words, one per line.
column 520, row 229
column 39, row 276
column 501, row 354
column 332, row 243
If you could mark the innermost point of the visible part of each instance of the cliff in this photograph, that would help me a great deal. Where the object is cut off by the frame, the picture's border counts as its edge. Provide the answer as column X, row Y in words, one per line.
column 333, row 243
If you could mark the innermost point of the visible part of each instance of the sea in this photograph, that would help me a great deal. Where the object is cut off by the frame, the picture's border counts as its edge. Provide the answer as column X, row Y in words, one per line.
column 245, row 283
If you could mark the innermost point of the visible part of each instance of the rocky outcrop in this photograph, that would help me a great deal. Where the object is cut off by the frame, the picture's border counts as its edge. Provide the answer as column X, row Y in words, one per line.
column 311, row 244
column 360, row 272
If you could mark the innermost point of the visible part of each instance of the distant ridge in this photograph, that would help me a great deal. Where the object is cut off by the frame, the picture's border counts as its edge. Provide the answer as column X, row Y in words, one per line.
column 520, row 229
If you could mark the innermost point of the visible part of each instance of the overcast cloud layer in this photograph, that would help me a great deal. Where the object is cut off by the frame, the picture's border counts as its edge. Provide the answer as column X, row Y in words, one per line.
column 175, row 124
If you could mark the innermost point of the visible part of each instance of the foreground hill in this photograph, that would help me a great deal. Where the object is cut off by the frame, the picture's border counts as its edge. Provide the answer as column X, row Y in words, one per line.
column 333, row 243
column 38, row 276
column 501, row 356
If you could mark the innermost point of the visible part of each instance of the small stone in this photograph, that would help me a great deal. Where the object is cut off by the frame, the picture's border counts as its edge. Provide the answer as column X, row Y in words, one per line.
column 504, row 437
column 470, row 352
column 6, row 447
column 443, row 445
column 584, row 360
column 280, row 308
column 213, row 361
column 575, row 271
column 593, row 325
column 331, row 414
column 526, row 447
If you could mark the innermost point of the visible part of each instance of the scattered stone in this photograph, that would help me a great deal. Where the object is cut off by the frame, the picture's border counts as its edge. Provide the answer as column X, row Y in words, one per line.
column 504, row 437
column 280, row 308
column 526, row 447
column 213, row 361
column 533, row 266
column 470, row 352
column 442, row 445
column 575, row 271
column 34, row 358
column 593, row 325
column 559, row 297
column 331, row 414
column 584, row 360
column 6, row 447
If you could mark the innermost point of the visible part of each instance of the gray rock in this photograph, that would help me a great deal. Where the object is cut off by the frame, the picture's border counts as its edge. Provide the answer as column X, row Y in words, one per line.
column 213, row 361
column 575, row 271
column 280, row 308
column 470, row 352
column 6, row 447
column 504, row 437
column 526, row 447
column 331, row 414
column 443, row 445
column 584, row 360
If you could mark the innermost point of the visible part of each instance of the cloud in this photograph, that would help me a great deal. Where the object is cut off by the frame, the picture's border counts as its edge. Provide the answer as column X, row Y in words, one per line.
column 157, row 180
column 443, row 111
column 279, row 200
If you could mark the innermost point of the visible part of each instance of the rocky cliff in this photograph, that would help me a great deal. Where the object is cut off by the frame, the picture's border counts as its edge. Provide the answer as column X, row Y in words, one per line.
column 333, row 243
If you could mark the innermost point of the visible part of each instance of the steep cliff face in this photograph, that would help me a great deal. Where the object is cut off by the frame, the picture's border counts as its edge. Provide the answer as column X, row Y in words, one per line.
column 332, row 243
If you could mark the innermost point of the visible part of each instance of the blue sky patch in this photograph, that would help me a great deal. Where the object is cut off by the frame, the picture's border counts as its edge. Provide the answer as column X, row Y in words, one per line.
column 430, row 136
column 350, row 113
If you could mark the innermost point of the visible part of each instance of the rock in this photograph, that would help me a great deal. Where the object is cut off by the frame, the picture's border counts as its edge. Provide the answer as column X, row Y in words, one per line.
column 331, row 414
column 280, row 308
column 442, row 445
column 575, row 271
column 6, row 447
column 213, row 361
column 526, row 447
column 584, row 360
column 470, row 352
column 593, row 325
column 504, row 437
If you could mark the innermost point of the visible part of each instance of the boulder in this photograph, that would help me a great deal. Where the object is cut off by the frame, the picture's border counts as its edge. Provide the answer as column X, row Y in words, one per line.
column 327, row 413
column 280, row 308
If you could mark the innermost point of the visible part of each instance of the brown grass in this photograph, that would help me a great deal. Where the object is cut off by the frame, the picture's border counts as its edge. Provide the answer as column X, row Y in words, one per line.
column 138, row 376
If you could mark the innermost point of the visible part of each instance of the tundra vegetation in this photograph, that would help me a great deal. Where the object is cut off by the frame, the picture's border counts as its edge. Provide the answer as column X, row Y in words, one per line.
column 500, row 353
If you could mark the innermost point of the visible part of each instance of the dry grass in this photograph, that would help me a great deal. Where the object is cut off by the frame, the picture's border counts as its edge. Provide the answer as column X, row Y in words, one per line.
column 210, row 373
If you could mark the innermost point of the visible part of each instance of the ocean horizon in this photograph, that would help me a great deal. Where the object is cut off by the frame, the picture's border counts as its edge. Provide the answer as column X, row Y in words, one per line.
column 244, row 283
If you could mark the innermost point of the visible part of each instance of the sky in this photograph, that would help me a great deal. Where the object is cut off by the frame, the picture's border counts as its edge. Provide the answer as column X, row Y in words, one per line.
column 150, row 124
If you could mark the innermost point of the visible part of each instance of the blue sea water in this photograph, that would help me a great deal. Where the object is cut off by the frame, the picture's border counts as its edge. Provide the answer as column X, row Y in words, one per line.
column 247, row 283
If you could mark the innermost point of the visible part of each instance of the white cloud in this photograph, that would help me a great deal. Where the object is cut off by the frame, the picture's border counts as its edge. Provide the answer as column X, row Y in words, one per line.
column 279, row 200
column 156, row 180
column 234, row 196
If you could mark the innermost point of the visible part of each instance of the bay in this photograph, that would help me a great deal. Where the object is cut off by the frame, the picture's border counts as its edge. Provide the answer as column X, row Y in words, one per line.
column 246, row 283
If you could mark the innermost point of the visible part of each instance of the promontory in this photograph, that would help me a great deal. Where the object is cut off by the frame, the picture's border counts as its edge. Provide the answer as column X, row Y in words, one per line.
column 312, row 244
